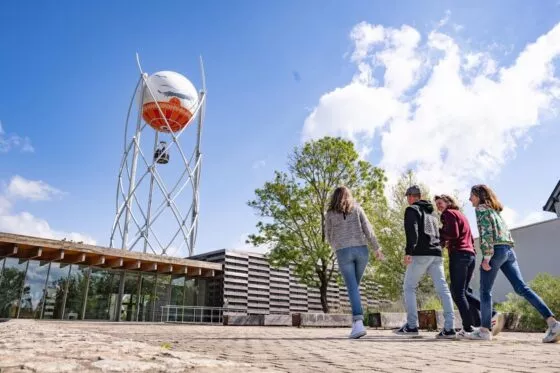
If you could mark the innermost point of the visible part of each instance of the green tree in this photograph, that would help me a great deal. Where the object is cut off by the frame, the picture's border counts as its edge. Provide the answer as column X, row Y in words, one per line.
column 294, row 203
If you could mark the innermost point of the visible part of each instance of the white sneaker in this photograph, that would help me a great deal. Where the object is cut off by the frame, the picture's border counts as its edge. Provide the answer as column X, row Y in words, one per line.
column 479, row 335
column 463, row 334
column 498, row 322
column 358, row 330
column 552, row 334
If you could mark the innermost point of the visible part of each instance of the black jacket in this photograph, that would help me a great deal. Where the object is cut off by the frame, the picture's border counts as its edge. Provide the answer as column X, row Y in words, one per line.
column 422, row 230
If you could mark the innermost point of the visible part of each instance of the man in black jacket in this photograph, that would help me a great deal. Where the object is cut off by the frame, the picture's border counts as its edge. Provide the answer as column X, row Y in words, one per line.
column 423, row 255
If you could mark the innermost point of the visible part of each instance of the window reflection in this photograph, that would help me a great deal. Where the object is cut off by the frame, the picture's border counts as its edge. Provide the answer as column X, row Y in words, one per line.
column 77, row 285
column 130, row 296
column 163, row 293
column 11, row 286
column 33, row 289
column 177, row 298
column 146, row 301
column 54, row 291
column 102, row 291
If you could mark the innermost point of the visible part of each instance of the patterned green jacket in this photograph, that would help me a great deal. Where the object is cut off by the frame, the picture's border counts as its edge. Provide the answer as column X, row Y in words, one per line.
column 492, row 229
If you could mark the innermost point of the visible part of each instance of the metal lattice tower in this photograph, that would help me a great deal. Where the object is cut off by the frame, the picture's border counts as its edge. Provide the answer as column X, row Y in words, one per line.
column 158, row 184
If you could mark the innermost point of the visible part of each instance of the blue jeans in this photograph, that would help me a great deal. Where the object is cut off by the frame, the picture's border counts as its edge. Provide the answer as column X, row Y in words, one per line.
column 433, row 265
column 504, row 258
column 352, row 262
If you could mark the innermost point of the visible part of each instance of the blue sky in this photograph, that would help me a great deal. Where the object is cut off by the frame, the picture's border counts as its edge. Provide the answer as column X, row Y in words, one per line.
column 68, row 70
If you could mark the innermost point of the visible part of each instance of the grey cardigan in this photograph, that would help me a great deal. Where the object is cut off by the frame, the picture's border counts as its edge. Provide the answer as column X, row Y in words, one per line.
column 351, row 230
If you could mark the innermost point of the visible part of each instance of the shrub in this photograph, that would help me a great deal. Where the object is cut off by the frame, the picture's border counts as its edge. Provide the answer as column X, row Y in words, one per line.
column 548, row 288
column 431, row 303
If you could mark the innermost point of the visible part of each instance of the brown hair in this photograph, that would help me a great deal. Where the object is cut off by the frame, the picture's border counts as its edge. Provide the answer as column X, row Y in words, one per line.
column 341, row 200
column 451, row 202
column 487, row 197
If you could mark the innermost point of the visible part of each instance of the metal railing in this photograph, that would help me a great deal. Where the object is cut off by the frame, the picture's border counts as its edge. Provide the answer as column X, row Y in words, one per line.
column 197, row 314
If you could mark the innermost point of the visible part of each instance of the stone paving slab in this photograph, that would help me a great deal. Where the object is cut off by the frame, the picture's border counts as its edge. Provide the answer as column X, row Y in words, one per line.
column 263, row 349
column 31, row 346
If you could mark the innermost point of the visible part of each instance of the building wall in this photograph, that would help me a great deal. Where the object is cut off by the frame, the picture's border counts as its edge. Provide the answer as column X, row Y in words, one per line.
column 537, row 247
column 250, row 285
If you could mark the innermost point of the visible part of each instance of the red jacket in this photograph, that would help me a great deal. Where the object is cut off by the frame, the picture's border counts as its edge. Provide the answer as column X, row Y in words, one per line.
column 456, row 232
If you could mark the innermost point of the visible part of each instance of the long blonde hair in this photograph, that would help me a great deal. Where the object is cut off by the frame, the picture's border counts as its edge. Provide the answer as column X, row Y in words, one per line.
column 487, row 197
column 341, row 200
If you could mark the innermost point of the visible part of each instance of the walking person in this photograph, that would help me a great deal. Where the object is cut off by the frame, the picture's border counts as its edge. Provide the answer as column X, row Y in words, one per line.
column 423, row 255
column 348, row 231
column 456, row 235
column 496, row 244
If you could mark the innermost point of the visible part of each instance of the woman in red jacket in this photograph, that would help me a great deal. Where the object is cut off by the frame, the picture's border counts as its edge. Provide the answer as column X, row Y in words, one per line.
column 456, row 235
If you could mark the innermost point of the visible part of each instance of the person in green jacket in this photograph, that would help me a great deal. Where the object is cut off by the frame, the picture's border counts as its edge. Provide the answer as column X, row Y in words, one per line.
column 496, row 244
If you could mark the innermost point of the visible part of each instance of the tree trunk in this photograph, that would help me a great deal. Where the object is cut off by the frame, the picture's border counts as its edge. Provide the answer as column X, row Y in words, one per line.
column 323, row 291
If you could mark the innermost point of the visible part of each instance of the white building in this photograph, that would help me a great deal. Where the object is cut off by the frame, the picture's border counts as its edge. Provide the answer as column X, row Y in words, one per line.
column 537, row 247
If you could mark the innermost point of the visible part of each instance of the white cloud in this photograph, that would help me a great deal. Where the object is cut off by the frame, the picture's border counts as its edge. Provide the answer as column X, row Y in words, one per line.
column 24, row 222
column 454, row 115
column 27, row 224
column 13, row 141
column 241, row 246
column 34, row 190
column 259, row 164
column 514, row 220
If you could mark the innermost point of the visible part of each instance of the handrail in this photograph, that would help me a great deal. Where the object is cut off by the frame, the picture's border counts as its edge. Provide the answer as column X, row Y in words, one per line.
column 196, row 314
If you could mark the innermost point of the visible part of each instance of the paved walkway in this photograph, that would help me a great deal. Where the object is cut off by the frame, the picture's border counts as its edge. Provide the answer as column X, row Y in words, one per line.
column 95, row 347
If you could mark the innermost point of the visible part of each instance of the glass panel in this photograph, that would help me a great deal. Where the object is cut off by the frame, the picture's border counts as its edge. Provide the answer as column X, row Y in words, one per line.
column 77, row 285
column 163, row 294
column 177, row 291
column 130, row 296
column 191, row 292
column 54, row 291
column 34, row 290
column 146, row 302
column 11, row 286
column 103, row 286
column 177, row 298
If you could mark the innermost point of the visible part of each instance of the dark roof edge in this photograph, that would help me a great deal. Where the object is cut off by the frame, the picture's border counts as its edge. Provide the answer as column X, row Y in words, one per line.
column 554, row 197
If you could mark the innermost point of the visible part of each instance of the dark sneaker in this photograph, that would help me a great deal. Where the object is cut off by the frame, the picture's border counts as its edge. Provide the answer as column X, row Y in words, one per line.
column 446, row 334
column 405, row 330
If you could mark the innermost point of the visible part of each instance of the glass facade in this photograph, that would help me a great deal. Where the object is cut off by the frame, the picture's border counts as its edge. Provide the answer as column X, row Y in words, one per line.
column 49, row 290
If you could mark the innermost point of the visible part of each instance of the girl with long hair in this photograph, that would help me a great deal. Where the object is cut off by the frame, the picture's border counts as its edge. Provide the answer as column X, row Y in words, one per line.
column 348, row 231
column 496, row 244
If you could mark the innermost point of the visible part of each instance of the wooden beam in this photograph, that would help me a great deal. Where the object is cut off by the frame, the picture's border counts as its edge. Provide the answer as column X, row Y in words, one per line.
column 165, row 268
column 180, row 270
column 53, row 255
column 133, row 265
column 9, row 250
column 208, row 273
column 149, row 267
column 32, row 253
column 76, row 258
column 194, row 271
column 96, row 260
column 115, row 263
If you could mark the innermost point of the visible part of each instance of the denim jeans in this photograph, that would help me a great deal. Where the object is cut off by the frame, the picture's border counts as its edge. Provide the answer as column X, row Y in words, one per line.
column 504, row 258
column 352, row 262
column 461, row 268
column 433, row 265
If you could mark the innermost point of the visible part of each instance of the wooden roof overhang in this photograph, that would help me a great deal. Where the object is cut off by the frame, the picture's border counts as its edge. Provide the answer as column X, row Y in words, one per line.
column 69, row 252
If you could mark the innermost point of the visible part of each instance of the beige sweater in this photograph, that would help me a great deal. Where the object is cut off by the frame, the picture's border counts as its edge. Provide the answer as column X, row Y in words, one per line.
column 351, row 230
